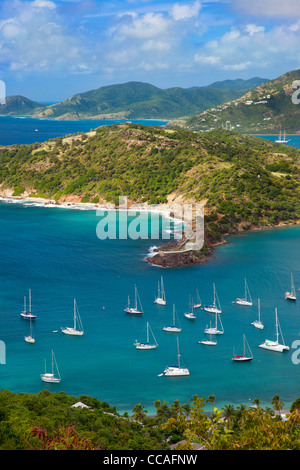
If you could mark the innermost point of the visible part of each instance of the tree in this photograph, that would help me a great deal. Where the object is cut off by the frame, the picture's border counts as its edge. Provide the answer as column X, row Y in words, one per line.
column 277, row 404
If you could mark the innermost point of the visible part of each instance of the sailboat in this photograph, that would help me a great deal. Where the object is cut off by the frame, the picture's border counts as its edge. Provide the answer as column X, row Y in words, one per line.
column 247, row 356
column 282, row 139
column 175, row 371
column 190, row 315
column 208, row 342
column 214, row 330
column 27, row 314
column 77, row 329
column 291, row 295
column 199, row 303
column 173, row 328
column 275, row 345
column 215, row 307
column 147, row 345
column 161, row 297
column 258, row 323
column 137, row 309
column 50, row 377
column 30, row 338
column 247, row 300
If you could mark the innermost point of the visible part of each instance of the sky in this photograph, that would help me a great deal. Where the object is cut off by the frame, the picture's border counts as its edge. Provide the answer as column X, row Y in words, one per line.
column 53, row 49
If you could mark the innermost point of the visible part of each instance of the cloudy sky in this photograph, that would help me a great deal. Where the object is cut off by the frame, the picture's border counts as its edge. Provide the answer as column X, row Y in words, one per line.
column 52, row 49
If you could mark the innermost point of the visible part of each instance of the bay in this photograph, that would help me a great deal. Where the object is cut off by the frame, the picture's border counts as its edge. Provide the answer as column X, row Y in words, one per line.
column 55, row 252
column 26, row 130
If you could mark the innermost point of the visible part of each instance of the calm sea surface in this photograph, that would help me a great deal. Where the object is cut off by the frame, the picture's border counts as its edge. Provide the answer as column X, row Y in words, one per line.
column 55, row 252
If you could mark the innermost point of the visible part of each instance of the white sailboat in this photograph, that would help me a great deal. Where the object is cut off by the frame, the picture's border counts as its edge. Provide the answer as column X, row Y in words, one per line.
column 291, row 295
column 173, row 328
column 30, row 338
column 27, row 314
column 175, row 371
column 282, row 139
column 50, row 377
column 258, row 323
column 275, row 345
column 190, row 315
column 208, row 342
column 161, row 297
column 215, row 330
column 77, row 329
column 137, row 309
column 215, row 307
column 247, row 300
column 198, row 303
column 147, row 345
column 247, row 354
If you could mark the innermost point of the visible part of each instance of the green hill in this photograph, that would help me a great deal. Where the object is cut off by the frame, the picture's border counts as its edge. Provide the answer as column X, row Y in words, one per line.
column 264, row 110
column 246, row 182
column 132, row 100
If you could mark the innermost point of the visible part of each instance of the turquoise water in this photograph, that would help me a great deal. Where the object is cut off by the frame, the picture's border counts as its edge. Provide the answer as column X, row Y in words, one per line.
column 55, row 252
column 25, row 130
column 294, row 140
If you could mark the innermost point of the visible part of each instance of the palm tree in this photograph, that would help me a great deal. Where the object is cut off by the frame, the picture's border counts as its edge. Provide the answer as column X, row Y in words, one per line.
column 277, row 404
column 139, row 413
column 211, row 399
column 228, row 413
column 256, row 402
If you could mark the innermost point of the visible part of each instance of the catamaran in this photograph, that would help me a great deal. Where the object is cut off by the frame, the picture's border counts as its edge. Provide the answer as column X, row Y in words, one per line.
column 291, row 295
column 247, row 356
column 190, row 315
column 27, row 314
column 215, row 307
column 275, row 345
column 161, row 297
column 198, row 303
column 247, row 300
column 137, row 309
column 77, row 329
column 173, row 328
column 258, row 323
column 50, row 377
column 214, row 330
column 147, row 345
column 175, row 371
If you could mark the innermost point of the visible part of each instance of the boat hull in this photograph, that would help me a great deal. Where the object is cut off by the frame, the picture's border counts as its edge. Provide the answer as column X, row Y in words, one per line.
column 212, row 309
column 207, row 342
column 159, row 301
column 176, row 372
column 243, row 302
column 50, row 378
column 274, row 346
column 213, row 331
column 258, row 325
column 172, row 329
column 29, row 339
column 145, row 346
column 71, row 332
column 133, row 311
column 241, row 358
column 28, row 316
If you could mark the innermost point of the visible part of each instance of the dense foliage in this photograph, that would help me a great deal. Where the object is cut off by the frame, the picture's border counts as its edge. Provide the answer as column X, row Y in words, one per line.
column 245, row 181
column 47, row 421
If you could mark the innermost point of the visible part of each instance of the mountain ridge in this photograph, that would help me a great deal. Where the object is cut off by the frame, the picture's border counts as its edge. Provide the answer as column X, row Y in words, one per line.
column 131, row 100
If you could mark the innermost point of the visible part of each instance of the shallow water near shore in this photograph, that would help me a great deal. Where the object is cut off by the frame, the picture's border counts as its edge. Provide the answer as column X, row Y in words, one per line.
column 55, row 252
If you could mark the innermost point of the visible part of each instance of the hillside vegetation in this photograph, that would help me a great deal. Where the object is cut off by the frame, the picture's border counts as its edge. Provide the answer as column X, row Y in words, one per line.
column 132, row 100
column 245, row 181
column 48, row 421
column 265, row 110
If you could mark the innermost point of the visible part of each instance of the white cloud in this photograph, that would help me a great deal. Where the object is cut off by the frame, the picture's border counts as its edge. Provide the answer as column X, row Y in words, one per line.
column 182, row 12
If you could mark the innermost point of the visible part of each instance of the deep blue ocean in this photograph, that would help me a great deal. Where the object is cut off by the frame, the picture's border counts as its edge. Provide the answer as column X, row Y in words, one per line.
column 55, row 252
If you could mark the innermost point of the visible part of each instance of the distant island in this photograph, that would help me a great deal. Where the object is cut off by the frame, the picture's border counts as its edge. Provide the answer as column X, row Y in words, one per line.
column 132, row 100
column 245, row 182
